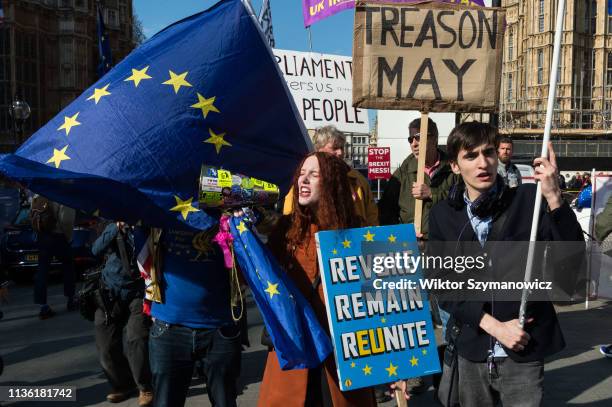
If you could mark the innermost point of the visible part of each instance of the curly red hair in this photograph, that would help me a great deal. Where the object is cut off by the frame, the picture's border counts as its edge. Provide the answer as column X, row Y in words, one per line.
column 335, row 209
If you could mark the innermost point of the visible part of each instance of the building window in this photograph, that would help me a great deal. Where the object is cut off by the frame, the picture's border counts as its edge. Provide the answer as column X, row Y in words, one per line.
column 593, row 16
column 509, row 94
column 609, row 70
column 510, row 45
column 112, row 19
column 540, row 66
column 541, row 17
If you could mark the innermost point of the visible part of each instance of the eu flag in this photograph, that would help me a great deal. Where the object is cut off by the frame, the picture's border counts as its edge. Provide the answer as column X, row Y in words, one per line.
column 205, row 90
column 299, row 340
column 104, row 49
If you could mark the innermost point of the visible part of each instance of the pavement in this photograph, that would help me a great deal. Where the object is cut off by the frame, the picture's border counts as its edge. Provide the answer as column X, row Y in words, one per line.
column 61, row 351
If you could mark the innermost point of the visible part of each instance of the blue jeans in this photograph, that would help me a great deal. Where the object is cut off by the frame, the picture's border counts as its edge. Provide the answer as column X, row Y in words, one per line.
column 49, row 245
column 173, row 350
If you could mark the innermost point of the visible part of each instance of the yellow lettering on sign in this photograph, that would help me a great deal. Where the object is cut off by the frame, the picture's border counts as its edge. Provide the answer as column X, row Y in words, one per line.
column 362, row 343
column 380, row 348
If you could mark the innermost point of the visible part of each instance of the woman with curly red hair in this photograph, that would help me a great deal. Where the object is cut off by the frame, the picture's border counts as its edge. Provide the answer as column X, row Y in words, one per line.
column 323, row 192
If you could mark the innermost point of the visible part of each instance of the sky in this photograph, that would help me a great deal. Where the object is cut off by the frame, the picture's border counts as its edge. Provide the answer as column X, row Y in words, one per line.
column 333, row 35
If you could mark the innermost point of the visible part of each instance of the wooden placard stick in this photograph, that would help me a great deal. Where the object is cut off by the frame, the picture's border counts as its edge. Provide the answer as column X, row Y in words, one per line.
column 418, row 203
column 400, row 399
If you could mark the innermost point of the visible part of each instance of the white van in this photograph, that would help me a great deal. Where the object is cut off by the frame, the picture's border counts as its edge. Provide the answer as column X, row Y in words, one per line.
column 527, row 173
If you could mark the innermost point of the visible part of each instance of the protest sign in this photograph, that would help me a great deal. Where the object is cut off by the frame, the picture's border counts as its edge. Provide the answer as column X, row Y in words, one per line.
column 321, row 85
column 379, row 162
column 432, row 57
column 378, row 316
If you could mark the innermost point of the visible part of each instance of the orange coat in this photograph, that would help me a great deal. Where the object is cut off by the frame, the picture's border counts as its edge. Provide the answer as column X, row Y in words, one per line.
column 288, row 388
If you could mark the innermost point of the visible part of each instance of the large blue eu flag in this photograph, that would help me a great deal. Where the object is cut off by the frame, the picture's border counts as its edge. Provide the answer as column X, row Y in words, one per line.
column 205, row 90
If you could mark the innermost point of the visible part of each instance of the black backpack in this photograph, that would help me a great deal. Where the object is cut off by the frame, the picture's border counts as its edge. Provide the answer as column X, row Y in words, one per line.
column 42, row 215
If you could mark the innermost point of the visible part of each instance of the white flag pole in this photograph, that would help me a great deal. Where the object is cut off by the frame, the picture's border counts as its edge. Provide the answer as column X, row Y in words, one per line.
column 552, row 90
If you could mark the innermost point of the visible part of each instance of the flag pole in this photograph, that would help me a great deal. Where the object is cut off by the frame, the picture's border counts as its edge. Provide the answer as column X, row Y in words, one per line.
column 552, row 89
column 309, row 38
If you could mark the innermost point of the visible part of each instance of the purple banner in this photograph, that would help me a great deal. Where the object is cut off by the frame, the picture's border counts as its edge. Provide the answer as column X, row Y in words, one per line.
column 315, row 10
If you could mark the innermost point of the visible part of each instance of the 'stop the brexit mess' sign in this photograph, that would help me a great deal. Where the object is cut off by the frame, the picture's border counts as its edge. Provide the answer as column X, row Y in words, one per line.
column 433, row 56
column 380, row 324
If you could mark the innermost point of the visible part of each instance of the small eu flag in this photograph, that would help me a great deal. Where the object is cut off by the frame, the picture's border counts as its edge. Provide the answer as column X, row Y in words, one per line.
column 299, row 340
column 104, row 49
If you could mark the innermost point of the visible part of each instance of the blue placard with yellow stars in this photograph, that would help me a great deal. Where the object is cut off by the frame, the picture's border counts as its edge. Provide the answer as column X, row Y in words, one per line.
column 378, row 317
column 204, row 90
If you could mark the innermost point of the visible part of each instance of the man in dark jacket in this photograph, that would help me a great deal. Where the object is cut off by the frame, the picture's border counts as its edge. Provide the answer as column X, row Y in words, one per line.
column 498, row 359
column 398, row 201
column 123, row 297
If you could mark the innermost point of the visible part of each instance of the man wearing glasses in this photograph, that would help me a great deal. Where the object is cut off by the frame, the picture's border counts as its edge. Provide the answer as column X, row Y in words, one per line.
column 398, row 201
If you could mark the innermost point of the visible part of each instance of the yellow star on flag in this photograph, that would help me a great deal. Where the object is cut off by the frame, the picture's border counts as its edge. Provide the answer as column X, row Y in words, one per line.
column 217, row 140
column 58, row 157
column 177, row 81
column 424, row 351
column 272, row 289
column 334, row 251
column 348, row 383
column 383, row 320
column 346, row 244
column 138, row 75
column 99, row 93
column 241, row 227
column 69, row 123
column 414, row 361
column 352, row 364
column 367, row 370
column 206, row 105
column 392, row 238
column 369, row 237
column 184, row 207
column 391, row 369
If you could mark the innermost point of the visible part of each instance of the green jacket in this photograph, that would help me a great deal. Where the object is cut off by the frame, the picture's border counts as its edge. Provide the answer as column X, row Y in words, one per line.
column 397, row 203
column 603, row 222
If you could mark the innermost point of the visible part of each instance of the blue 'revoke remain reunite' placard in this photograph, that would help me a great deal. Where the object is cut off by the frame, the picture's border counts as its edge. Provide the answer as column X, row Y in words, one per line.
column 380, row 334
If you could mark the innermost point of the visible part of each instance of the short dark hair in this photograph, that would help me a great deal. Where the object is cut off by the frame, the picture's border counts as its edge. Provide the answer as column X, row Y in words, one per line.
column 469, row 135
column 506, row 140
column 432, row 129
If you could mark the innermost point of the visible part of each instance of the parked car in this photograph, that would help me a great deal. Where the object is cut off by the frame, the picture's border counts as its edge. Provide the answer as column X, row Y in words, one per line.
column 19, row 251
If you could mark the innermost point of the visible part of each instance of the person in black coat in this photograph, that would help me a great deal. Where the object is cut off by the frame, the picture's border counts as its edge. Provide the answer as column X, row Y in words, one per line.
column 498, row 360
column 123, row 291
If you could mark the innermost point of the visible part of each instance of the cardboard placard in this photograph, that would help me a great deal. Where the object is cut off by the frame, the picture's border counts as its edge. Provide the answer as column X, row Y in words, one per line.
column 428, row 56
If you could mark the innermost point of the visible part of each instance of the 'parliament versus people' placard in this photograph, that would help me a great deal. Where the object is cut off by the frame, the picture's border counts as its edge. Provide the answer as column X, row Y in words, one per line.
column 321, row 85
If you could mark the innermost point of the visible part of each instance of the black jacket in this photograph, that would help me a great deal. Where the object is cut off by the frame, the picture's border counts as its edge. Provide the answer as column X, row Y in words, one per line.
column 123, row 284
column 451, row 224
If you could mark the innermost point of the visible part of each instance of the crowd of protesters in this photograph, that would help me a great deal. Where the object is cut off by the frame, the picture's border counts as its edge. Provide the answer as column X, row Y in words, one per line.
column 471, row 191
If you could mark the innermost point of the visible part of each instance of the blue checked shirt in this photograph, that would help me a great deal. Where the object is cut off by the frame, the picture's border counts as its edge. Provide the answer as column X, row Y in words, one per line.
column 482, row 228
